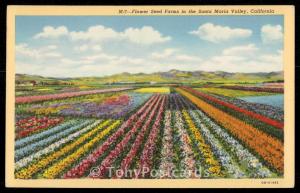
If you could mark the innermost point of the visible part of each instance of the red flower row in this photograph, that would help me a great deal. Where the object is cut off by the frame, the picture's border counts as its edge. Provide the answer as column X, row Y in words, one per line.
column 262, row 118
column 256, row 89
column 33, row 124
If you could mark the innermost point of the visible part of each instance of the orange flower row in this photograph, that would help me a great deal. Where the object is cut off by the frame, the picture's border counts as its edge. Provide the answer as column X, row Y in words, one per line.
column 269, row 148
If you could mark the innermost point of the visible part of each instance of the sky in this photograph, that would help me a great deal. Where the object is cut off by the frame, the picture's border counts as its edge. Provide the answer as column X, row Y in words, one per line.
column 77, row 46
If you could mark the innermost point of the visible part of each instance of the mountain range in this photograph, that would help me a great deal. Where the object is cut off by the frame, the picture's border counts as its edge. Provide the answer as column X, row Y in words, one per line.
column 171, row 76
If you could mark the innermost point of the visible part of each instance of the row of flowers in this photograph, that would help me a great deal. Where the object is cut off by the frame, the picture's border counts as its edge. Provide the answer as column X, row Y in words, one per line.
column 231, row 168
column 29, row 99
column 154, row 90
column 254, row 115
column 28, row 149
column 117, row 108
column 255, row 168
column 45, row 161
column 218, row 138
column 62, row 164
column 188, row 161
column 224, row 158
column 167, row 152
column 113, row 106
column 54, row 106
column 146, row 158
column 266, row 128
column 137, row 118
column 186, row 153
column 117, row 100
column 51, row 148
column 255, row 139
column 256, row 89
column 263, row 109
column 30, row 125
column 213, row 165
column 125, row 164
column 38, row 136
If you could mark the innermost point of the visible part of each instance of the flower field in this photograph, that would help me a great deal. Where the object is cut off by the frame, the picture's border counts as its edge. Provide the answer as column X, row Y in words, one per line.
column 109, row 105
column 151, row 132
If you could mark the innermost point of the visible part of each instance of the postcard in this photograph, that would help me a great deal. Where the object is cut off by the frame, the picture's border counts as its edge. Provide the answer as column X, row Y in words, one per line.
column 150, row 96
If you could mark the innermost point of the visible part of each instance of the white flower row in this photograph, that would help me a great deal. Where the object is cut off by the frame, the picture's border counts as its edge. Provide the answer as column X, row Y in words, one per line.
column 26, row 150
column 167, row 149
column 26, row 160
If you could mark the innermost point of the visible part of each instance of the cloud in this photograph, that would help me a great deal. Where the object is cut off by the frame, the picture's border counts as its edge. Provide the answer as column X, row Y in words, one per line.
column 100, row 57
column 227, row 59
column 240, row 50
column 52, row 47
column 29, row 68
column 145, row 35
column 165, row 53
column 36, row 53
column 244, row 58
column 217, row 33
column 23, row 49
column 125, row 60
column 173, row 55
column 86, row 47
column 187, row 58
column 52, row 32
column 107, row 64
column 96, row 48
column 271, row 33
column 272, row 58
column 100, row 50
column 51, row 55
column 95, row 33
column 112, row 59
column 81, row 48
column 102, row 63
column 74, row 63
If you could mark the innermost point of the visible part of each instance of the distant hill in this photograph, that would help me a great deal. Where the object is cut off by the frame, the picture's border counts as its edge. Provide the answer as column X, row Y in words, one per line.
column 171, row 76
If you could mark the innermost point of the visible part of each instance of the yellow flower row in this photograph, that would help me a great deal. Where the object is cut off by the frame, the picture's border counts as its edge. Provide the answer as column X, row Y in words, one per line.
column 154, row 90
column 55, row 169
column 48, row 110
column 33, row 168
column 214, row 166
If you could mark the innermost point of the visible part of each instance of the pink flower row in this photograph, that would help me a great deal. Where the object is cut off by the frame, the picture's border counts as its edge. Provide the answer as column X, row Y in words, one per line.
column 81, row 168
column 29, row 99
column 139, row 139
column 147, row 154
column 107, row 162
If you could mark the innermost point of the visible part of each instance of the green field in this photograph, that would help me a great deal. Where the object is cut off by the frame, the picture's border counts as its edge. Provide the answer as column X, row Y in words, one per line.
column 233, row 93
